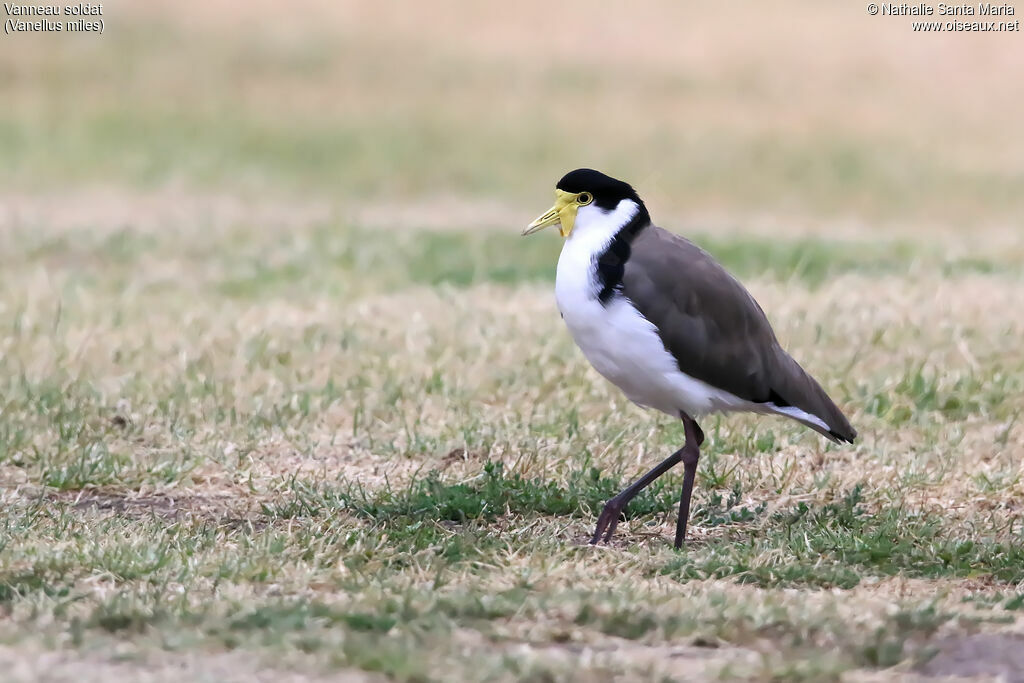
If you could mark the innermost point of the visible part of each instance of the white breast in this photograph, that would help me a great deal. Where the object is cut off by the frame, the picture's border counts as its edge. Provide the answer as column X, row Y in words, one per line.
column 620, row 343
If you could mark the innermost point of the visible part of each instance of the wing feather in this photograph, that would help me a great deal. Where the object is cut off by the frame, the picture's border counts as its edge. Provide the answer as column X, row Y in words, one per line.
column 716, row 330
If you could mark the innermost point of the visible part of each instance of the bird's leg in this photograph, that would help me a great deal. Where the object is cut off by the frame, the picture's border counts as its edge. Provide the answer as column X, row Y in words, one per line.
column 690, row 454
column 609, row 518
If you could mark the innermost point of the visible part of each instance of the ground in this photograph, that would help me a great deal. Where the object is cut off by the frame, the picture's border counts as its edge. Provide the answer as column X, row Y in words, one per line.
column 286, row 397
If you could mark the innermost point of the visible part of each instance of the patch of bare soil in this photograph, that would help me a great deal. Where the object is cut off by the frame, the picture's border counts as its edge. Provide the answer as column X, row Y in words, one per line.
column 688, row 662
column 982, row 654
column 21, row 665
column 169, row 506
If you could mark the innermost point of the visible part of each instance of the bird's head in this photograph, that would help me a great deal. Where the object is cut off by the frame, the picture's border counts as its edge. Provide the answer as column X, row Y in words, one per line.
column 582, row 196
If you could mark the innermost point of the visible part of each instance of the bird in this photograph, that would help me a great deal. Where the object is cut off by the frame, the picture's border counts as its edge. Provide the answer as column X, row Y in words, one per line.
column 663, row 321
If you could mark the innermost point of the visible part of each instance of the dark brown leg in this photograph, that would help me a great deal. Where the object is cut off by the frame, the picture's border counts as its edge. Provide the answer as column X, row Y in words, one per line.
column 609, row 518
column 690, row 456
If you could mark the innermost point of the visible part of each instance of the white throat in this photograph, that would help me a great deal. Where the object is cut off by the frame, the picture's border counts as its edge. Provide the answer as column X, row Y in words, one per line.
column 595, row 228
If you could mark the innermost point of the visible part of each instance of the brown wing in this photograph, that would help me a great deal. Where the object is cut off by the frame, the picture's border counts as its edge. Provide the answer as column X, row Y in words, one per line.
column 716, row 331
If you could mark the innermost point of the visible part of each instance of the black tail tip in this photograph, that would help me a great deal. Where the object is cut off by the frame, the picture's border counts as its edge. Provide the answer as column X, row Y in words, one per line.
column 843, row 437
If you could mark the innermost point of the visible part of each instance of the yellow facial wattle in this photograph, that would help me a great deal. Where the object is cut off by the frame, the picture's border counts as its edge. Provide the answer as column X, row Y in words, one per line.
column 563, row 212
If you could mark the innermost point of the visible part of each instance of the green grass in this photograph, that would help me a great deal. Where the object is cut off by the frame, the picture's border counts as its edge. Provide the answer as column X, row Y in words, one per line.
column 838, row 544
column 842, row 544
column 402, row 629
column 370, row 157
column 340, row 260
column 493, row 493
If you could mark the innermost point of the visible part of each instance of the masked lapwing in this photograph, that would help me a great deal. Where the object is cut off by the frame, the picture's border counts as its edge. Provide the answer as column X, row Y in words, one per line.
column 663, row 321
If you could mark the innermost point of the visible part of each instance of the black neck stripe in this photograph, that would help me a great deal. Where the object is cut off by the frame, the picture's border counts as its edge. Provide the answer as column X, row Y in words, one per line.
column 611, row 264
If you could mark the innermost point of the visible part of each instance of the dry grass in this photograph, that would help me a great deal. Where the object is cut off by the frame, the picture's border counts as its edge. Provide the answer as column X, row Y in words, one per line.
column 284, row 396
column 162, row 431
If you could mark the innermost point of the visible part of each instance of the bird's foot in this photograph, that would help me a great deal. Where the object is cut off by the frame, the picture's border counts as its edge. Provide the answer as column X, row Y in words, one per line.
column 608, row 520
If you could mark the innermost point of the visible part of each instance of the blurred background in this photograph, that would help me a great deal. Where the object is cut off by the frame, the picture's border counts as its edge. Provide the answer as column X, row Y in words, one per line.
column 813, row 116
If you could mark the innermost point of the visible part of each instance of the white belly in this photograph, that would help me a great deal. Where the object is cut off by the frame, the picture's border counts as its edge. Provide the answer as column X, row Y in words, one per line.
column 625, row 347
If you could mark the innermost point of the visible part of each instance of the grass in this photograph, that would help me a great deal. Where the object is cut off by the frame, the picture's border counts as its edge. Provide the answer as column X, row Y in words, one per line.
column 366, row 463
column 492, row 494
column 284, row 395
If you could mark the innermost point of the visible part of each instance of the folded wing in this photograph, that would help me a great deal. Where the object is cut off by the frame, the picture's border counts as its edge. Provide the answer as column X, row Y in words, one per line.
column 718, row 333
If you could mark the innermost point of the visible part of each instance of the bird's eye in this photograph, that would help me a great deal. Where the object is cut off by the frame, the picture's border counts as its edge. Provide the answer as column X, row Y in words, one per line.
column 584, row 198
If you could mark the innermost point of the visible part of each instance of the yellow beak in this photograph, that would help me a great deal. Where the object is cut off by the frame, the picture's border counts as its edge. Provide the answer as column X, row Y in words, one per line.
column 563, row 213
